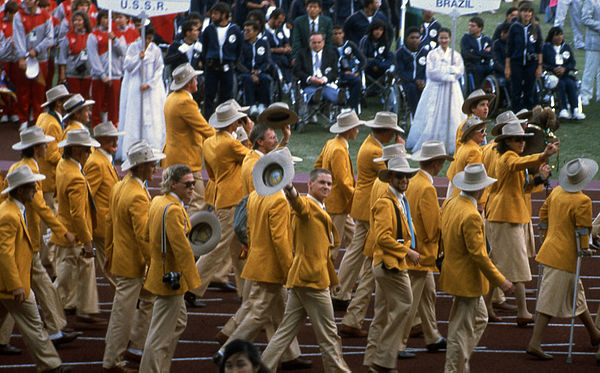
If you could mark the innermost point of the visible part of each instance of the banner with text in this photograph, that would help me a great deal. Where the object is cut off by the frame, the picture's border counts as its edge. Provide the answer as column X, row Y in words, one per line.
column 151, row 8
column 461, row 7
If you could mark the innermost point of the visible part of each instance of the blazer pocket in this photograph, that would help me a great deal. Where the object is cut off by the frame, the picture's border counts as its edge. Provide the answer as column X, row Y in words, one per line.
column 310, row 271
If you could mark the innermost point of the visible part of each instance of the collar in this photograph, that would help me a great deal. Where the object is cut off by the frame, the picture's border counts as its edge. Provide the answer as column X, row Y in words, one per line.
column 139, row 181
column 106, row 154
column 321, row 205
column 345, row 141
column 188, row 92
column 56, row 114
column 379, row 142
column 428, row 175
column 259, row 152
column 20, row 205
column 399, row 196
column 77, row 163
column 469, row 197
column 176, row 196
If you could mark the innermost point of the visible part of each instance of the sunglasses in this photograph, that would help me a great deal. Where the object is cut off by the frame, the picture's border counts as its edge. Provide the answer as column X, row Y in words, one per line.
column 518, row 139
column 189, row 184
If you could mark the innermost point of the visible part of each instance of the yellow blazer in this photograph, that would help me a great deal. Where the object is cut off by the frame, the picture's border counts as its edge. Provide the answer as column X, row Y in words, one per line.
column 467, row 269
column 101, row 176
column 459, row 133
column 179, row 255
column 247, row 166
column 223, row 157
column 314, row 238
column 186, row 131
column 37, row 209
column 72, row 125
column 53, row 128
column 335, row 157
column 384, row 225
column 468, row 153
column 126, row 224
column 379, row 188
column 269, row 239
column 564, row 212
column 210, row 192
column 489, row 157
column 367, row 173
column 16, row 251
column 74, row 208
column 506, row 203
column 425, row 212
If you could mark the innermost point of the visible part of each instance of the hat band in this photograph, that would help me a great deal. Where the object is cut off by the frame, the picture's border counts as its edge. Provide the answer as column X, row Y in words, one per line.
column 80, row 103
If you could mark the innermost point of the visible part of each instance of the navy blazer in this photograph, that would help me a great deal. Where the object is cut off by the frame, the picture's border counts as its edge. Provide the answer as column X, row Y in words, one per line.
column 277, row 39
column 470, row 52
column 175, row 57
column 411, row 67
column 350, row 57
column 499, row 53
column 516, row 48
column 357, row 24
column 378, row 54
column 232, row 48
column 303, row 68
column 262, row 56
column 567, row 57
column 429, row 35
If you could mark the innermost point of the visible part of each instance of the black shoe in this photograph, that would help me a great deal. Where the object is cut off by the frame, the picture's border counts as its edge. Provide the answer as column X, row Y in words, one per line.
column 316, row 97
column 192, row 300
column 217, row 358
column 340, row 305
column 405, row 355
column 440, row 344
column 225, row 287
column 9, row 349
column 341, row 97
column 60, row 369
column 297, row 363
column 66, row 337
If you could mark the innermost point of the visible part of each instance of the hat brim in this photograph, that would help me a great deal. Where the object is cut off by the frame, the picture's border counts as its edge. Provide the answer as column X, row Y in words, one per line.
column 92, row 143
column 373, row 124
column 466, row 107
column 469, row 131
column 214, row 122
column 267, row 161
column 278, row 117
column 176, row 87
column 525, row 116
column 416, row 156
column 114, row 134
column 591, row 168
column 497, row 129
column 500, row 137
column 34, row 179
column 459, row 182
column 20, row 146
column 337, row 129
column 55, row 99
column 385, row 174
column 126, row 165
column 384, row 159
column 205, row 233
column 85, row 103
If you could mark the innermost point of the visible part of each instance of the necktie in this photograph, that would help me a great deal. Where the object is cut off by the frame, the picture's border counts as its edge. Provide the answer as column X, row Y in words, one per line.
column 410, row 225
column 312, row 27
column 317, row 62
column 25, row 216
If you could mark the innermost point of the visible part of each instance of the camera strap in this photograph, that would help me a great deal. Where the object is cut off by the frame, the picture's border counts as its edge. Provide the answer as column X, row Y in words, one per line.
column 163, row 242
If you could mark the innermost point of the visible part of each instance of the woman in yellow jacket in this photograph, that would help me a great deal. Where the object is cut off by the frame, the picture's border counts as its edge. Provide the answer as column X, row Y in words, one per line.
column 506, row 213
column 565, row 210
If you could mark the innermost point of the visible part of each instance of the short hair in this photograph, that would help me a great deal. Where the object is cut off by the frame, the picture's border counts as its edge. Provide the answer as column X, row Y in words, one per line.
column 276, row 13
column 194, row 16
column 337, row 26
column 318, row 2
column 252, row 24
column 316, row 33
column 366, row 3
column 504, row 27
column 239, row 346
column 86, row 19
column 477, row 20
column 11, row 7
column 77, row 3
column 43, row 3
column 222, row 8
column 412, row 30
column 28, row 152
column 510, row 10
column 445, row 29
column 173, row 174
column 556, row 30
column 188, row 26
column 149, row 29
column 430, row 162
column 314, row 174
column 258, row 16
column 258, row 133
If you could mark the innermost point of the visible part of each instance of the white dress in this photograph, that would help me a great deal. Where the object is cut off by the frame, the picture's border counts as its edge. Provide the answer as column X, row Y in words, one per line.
column 130, row 105
column 439, row 111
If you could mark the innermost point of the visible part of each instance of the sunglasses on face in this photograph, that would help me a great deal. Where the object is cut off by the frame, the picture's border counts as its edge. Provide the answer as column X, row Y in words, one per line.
column 189, row 184
column 518, row 139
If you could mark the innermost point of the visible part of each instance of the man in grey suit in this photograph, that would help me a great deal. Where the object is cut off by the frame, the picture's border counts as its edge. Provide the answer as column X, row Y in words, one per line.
column 311, row 22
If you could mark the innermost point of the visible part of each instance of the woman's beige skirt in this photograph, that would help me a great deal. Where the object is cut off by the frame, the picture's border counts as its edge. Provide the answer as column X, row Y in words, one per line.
column 509, row 250
column 529, row 239
column 556, row 294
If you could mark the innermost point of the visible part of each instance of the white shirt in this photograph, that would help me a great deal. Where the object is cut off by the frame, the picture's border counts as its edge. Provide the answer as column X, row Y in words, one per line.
column 310, row 24
column 469, row 197
column 222, row 34
column 21, row 208
column 321, row 205
column 400, row 197
column 179, row 199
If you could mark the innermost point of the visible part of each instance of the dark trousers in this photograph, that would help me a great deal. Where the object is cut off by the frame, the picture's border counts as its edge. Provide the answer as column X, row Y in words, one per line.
column 523, row 85
column 253, row 92
column 478, row 72
column 354, row 84
column 216, row 81
column 412, row 95
column 283, row 62
column 567, row 91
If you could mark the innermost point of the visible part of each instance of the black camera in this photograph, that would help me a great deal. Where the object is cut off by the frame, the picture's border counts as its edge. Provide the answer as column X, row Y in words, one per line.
column 172, row 279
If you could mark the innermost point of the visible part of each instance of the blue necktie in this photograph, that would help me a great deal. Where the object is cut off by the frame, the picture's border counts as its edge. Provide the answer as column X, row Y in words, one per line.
column 410, row 225
column 526, row 179
column 25, row 216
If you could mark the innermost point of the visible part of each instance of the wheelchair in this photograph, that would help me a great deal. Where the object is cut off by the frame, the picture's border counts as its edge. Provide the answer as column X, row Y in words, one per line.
column 380, row 84
column 276, row 86
column 306, row 111
column 396, row 101
column 499, row 86
column 547, row 91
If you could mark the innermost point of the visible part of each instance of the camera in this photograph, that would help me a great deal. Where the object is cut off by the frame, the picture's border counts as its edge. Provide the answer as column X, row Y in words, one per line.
column 172, row 279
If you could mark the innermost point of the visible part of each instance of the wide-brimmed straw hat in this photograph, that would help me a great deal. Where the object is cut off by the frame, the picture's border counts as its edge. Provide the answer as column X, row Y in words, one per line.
column 396, row 165
column 473, row 178
column 504, row 118
column 476, row 95
column 21, row 175
column 346, row 121
column 431, row 150
column 278, row 115
column 273, row 171
column 524, row 114
column 31, row 136
column 385, row 119
column 80, row 137
column 205, row 233
column 392, row 151
column 577, row 174
column 470, row 125
column 243, row 109
column 225, row 115
column 141, row 152
column 512, row 129
column 182, row 75
column 75, row 103
column 55, row 93
column 107, row 129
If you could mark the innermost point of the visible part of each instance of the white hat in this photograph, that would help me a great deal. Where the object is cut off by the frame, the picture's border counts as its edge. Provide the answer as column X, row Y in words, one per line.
column 33, row 68
column 21, row 175
column 346, row 121
column 577, row 174
column 504, row 118
column 396, row 165
column 243, row 109
column 55, row 93
column 475, row 96
column 31, row 136
column 512, row 129
column 278, row 115
column 107, row 129
column 205, row 233
column 225, row 115
column 79, row 137
column 385, row 119
column 473, row 178
column 470, row 125
column 273, row 171
column 431, row 150
column 392, row 151
column 75, row 103
column 182, row 75
column 139, row 153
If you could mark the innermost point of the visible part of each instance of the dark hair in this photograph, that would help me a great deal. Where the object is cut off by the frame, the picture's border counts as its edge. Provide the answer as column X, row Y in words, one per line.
column 318, row 2
column 77, row 3
column 504, row 27
column 43, row 3
column 11, row 7
column 337, row 26
column 28, row 152
column 445, row 29
column 314, row 174
column 222, row 8
column 258, row 133
column 102, row 13
column 477, row 20
column 556, row 30
column 378, row 24
column 252, row 24
column 13, row 192
column 86, row 20
column 430, row 162
column 276, row 13
column 510, row 10
column 501, row 146
column 187, row 26
column 194, row 16
column 317, row 33
column 366, row 3
column 258, row 16
column 379, row 131
column 526, row 5
column 239, row 346
column 149, row 29
column 412, row 30
column 67, row 152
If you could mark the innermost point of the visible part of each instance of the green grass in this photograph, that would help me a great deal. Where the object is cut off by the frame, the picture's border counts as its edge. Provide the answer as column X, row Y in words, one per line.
column 578, row 139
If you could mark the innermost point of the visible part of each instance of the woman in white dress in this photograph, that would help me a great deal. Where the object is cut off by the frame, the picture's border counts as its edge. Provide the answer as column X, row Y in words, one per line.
column 142, row 97
column 439, row 110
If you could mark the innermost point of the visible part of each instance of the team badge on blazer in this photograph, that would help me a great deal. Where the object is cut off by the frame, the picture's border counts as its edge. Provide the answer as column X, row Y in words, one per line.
column 205, row 233
column 273, row 171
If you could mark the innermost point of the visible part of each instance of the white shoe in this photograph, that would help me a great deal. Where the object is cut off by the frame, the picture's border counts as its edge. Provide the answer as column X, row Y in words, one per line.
column 564, row 114
column 578, row 114
column 261, row 108
column 253, row 110
column 4, row 119
column 14, row 118
column 585, row 101
column 314, row 118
